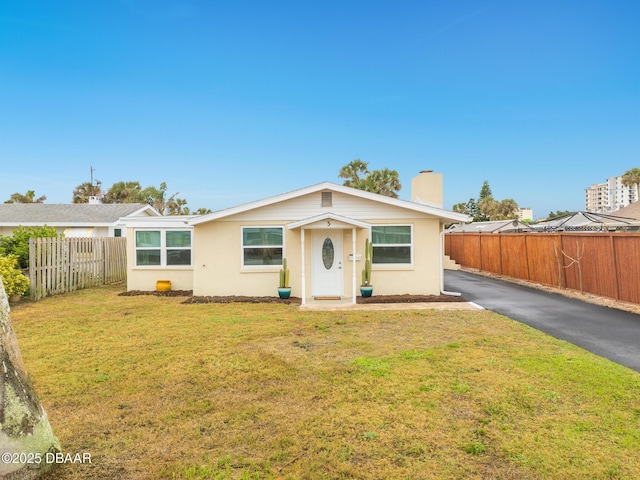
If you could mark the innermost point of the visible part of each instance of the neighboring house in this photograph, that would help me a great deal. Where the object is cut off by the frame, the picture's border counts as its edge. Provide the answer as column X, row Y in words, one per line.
column 320, row 229
column 586, row 222
column 74, row 219
column 495, row 226
column 630, row 211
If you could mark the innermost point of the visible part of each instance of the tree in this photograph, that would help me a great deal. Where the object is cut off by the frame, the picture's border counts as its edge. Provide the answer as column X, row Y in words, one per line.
column 485, row 191
column 18, row 242
column 487, row 208
column 385, row 182
column 469, row 208
column 357, row 175
column 28, row 197
column 201, row 211
column 132, row 192
column 157, row 198
column 177, row 206
column 631, row 178
column 558, row 213
column 124, row 192
column 85, row 190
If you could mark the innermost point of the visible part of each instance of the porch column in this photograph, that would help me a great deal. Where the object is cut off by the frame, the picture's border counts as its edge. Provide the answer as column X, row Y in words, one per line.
column 304, row 286
column 353, row 256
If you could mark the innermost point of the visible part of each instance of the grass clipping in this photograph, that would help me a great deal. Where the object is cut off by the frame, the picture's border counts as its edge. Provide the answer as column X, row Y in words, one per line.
column 155, row 389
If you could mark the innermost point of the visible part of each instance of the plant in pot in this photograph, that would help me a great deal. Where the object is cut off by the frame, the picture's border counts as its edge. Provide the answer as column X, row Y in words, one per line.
column 366, row 289
column 284, row 290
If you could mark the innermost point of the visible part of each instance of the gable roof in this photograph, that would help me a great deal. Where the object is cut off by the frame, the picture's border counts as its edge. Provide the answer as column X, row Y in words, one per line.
column 328, row 186
column 494, row 226
column 585, row 219
column 81, row 214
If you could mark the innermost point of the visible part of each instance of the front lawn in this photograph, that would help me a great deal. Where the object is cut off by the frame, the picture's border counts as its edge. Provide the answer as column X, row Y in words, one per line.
column 154, row 389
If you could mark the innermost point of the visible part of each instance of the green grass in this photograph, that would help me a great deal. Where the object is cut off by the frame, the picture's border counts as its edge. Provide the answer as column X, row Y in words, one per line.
column 158, row 390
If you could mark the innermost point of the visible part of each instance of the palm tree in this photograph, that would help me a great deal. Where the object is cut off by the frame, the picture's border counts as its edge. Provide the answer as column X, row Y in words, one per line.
column 632, row 178
column 355, row 173
column 124, row 192
column 385, row 182
column 85, row 190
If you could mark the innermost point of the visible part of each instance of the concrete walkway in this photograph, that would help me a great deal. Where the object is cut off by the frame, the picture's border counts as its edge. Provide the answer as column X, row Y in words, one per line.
column 608, row 332
column 346, row 304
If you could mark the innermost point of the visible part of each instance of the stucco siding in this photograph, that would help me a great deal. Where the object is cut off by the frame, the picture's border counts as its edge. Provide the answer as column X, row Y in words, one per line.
column 420, row 278
column 145, row 278
column 218, row 268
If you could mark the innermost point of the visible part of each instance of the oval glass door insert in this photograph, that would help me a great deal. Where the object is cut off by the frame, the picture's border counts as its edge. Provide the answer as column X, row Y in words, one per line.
column 327, row 253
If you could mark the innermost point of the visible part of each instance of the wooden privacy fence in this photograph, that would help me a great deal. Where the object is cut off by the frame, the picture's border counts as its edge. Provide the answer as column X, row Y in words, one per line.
column 58, row 265
column 606, row 264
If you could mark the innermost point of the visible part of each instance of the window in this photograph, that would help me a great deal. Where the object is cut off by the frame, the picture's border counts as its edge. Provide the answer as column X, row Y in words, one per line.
column 391, row 244
column 178, row 247
column 262, row 246
column 163, row 247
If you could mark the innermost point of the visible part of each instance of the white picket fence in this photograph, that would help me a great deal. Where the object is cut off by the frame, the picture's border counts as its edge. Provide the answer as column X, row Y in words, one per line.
column 59, row 265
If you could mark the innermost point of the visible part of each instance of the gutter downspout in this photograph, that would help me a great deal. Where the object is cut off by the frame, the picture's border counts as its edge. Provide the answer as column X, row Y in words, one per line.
column 442, row 290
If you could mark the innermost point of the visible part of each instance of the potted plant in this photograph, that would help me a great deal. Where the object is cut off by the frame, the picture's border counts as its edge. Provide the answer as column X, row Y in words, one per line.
column 366, row 289
column 284, row 290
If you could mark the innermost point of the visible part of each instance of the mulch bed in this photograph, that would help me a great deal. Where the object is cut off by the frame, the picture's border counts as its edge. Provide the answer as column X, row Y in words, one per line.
column 409, row 299
column 292, row 300
column 170, row 293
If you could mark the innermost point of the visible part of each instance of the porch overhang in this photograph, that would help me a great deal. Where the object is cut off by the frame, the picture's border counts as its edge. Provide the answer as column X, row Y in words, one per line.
column 327, row 221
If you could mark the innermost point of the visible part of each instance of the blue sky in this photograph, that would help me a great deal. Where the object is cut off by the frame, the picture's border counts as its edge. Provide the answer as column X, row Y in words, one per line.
column 234, row 101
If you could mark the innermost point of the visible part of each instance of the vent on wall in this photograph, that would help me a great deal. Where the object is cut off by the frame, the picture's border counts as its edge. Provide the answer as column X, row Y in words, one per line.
column 327, row 199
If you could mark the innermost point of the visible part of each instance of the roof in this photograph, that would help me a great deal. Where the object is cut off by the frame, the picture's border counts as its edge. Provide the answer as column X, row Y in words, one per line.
column 577, row 220
column 81, row 214
column 495, row 226
column 630, row 211
column 324, row 186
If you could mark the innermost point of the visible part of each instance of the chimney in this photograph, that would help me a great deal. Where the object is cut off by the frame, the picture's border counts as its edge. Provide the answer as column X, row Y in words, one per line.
column 427, row 188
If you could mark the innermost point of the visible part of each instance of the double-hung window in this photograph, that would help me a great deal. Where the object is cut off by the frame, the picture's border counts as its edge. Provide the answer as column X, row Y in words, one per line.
column 163, row 248
column 392, row 244
column 262, row 246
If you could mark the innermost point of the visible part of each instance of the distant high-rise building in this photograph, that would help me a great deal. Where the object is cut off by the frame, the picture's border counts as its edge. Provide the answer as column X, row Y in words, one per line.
column 525, row 214
column 609, row 196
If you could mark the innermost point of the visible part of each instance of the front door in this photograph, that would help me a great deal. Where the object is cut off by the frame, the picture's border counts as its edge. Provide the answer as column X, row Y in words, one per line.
column 326, row 263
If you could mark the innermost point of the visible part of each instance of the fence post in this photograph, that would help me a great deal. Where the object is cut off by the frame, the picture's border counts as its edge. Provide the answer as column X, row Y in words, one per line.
column 615, row 265
column 32, row 269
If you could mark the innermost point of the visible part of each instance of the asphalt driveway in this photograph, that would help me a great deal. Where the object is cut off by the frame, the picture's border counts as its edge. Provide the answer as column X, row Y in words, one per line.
column 610, row 333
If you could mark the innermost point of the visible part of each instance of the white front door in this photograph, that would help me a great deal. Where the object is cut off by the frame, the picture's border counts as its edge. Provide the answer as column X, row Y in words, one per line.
column 326, row 263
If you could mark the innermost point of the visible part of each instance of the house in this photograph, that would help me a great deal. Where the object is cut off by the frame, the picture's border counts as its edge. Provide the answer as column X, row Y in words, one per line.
column 73, row 220
column 586, row 222
column 629, row 212
column 493, row 226
column 320, row 229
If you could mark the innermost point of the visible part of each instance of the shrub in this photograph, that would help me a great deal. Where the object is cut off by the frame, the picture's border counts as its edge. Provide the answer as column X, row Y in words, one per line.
column 15, row 283
column 18, row 242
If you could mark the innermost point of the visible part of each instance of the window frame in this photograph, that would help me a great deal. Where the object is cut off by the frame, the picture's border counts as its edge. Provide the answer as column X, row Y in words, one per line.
column 410, row 245
column 163, row 248
column 276, row 266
